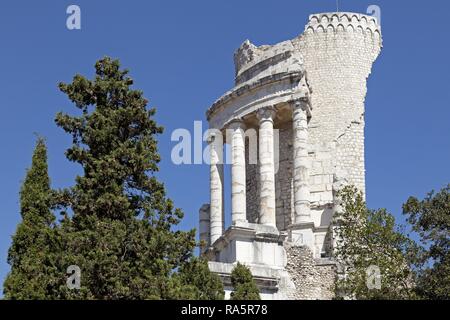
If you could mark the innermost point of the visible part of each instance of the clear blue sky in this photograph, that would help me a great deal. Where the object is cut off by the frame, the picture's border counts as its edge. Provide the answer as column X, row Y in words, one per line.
column 180, row 54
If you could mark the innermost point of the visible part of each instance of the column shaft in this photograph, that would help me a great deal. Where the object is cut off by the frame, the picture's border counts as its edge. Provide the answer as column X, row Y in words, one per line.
column 238, row 182
column 204, row 227
column 301, row 162
column 266, row 167
column 216, row 188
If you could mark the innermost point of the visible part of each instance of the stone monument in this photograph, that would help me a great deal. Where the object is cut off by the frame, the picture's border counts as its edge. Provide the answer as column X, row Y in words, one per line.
column 304, row 101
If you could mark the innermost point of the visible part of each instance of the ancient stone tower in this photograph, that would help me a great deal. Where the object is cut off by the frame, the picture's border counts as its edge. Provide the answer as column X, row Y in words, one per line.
column 295, row 125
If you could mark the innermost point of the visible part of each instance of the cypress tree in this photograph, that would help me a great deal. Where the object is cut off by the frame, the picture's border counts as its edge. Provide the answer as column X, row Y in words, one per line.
column 32, row 274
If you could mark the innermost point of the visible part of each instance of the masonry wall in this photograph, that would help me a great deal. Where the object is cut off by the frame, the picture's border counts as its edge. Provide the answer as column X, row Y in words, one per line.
column 284, row 195
column 252, row 187
column 338, row 52
column 312, row 280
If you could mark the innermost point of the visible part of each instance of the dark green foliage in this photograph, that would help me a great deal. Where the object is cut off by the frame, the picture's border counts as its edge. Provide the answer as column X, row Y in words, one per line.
column 32, row 273
column 121, row 232
column 370, row 238
column 243, row 284
column 430, row 219
column 196, row 282
column 117, row 224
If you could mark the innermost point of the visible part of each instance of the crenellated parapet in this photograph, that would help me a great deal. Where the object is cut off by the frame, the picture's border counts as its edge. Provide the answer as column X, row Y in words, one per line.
column 344, row 22
column 251, row 60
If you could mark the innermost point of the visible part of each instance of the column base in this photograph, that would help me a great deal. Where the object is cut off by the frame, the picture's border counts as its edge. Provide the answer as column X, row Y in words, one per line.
column 240, row 222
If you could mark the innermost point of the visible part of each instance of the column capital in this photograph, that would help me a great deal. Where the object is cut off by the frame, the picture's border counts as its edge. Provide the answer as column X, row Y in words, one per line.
column 212, row 135
column 266, row 114
column 303, row 104
column 235, row 123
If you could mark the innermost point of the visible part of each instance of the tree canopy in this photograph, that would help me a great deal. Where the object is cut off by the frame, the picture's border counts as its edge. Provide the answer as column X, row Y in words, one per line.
column 430, row 219
column 368, row 242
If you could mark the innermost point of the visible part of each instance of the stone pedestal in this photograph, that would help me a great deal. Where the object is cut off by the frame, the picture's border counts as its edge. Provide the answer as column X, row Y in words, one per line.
column 250, row 243
column 260, row 248
column 273, row 283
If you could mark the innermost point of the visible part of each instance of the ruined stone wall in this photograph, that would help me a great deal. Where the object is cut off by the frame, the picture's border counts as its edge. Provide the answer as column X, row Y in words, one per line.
column 312, row 279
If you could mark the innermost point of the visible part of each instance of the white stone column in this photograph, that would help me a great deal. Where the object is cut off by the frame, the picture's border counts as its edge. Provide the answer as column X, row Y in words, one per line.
column 266, row 167
column 215, row 141
column 238, row 182
column 301, row 161
column 204, row 227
